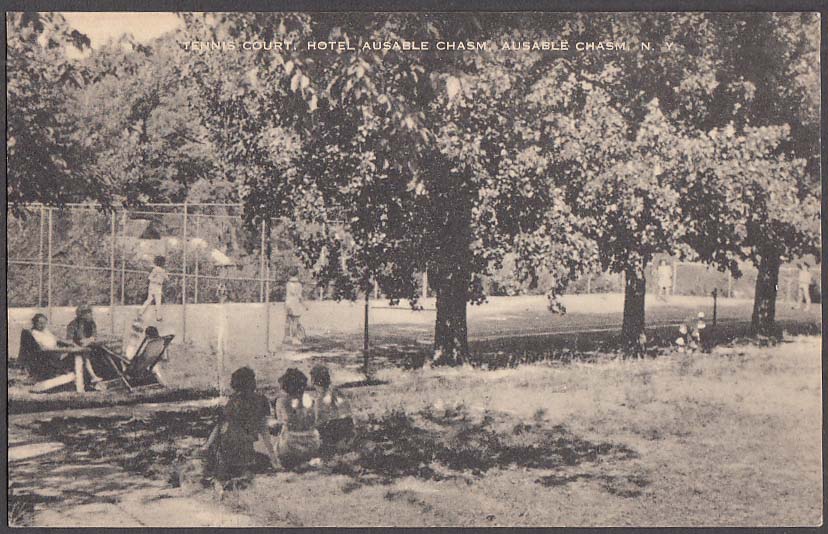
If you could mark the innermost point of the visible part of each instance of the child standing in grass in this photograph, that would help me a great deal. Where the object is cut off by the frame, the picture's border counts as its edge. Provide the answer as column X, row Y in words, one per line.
column 243, row 421
column 298, row 440
column 155, row 291
column 332, row 411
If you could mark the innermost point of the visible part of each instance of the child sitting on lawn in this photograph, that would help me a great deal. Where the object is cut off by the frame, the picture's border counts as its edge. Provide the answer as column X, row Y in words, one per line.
column 134, row 337
column 298, row 440
column 332, row 410
column 229, row 449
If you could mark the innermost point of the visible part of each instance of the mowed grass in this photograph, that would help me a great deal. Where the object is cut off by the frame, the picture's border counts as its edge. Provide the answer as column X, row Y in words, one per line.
column 731, row 438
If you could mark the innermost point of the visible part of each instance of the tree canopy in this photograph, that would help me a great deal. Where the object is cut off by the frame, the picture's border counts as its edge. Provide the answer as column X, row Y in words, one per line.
column 47, row 156
column 389, row 164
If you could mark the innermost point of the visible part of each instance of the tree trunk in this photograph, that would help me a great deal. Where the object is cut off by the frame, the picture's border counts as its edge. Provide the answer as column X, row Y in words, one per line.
column 451, row 345
column 634, row 291
column 764, row 300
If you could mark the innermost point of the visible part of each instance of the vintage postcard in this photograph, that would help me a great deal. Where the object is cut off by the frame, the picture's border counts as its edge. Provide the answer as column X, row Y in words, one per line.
column 293, row 269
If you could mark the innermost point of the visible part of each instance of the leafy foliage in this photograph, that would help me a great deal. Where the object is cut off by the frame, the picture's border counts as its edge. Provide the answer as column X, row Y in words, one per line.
column 46, row 153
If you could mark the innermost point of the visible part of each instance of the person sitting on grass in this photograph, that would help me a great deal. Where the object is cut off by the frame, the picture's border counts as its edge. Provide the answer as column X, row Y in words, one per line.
column 298, row 440
column 229, row 449
column 134, row 338
column 332, row 411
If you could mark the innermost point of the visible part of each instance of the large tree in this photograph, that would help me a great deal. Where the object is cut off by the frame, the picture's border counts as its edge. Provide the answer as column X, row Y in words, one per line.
column 769, row 84
column 655, row 162
column 609, row 123
column 424, row 159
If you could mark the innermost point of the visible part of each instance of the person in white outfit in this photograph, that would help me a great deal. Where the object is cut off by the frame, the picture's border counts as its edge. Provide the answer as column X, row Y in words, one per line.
column 293, row 309
column 155, row 291
column 804, row 292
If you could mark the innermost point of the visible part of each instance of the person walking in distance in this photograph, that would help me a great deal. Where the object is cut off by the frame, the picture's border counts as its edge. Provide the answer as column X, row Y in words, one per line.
column 157, row 277
column 665, row 279
column 804, row 293
column 294, row 302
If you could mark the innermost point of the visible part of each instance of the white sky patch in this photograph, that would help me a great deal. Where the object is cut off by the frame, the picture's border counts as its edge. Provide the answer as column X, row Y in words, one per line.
column 100, row 27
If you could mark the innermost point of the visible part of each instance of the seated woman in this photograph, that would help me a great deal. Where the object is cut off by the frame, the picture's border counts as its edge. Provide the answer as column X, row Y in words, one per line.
column 83, row 332
column 42, row 354
column 243, row 421
column 298, row 440
column 332, row 410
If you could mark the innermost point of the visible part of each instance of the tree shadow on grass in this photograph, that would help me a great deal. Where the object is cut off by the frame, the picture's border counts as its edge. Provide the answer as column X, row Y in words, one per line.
column 427, row 445
column 147, row 446
column 627, row 486
column 439, row 446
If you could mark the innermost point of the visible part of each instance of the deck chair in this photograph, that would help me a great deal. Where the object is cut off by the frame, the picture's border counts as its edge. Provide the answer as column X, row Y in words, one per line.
column 139, row 372
column 48, row 371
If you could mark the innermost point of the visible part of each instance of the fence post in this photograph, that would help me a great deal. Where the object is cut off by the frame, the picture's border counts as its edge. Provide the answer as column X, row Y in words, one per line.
column 365, row 335
column 715, row 295
column 112, row 278
column 40, row 256
column 184, row 281
column 197, row 227
column 262, row 265
column 425, row 284
column 675, row 278
column 123, row 256
column 49, row 269
column 267, row 311
column 589, row 284
column 267, row 245
column 729, row 285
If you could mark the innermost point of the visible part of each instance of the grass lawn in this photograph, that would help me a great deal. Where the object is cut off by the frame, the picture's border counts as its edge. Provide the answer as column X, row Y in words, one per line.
column 731, row 438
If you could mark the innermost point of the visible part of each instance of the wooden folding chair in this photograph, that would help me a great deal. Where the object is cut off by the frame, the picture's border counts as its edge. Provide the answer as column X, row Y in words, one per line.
column 139, row 371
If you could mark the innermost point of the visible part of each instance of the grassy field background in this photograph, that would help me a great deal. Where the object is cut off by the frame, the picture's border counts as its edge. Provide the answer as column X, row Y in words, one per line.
column 248, row 322
column 516, row 329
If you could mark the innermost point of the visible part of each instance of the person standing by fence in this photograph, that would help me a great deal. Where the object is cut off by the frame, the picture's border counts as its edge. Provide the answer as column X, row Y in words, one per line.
column 294, row 302
column 803, row 299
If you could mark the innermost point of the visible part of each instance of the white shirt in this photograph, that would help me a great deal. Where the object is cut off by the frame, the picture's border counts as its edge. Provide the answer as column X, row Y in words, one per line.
column 665, row 275
column 293, row 294
column 157, row 276
column 45, row 339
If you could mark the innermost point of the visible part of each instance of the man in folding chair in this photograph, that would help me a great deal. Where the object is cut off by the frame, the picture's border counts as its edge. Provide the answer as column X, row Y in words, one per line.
column 141, row 370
